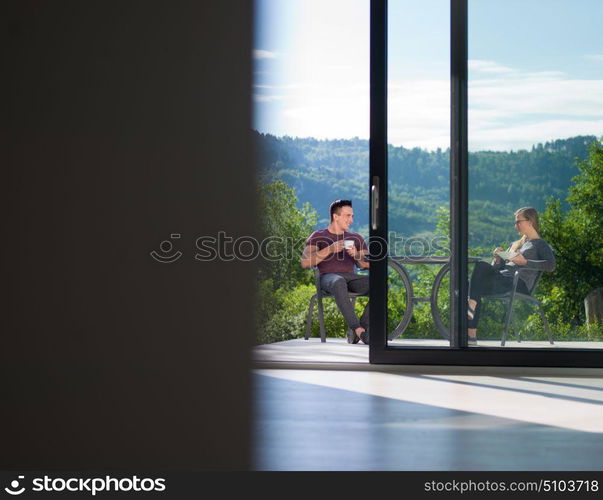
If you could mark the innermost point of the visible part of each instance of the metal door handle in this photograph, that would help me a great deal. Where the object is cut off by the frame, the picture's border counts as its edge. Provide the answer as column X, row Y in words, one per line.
column 374, row 202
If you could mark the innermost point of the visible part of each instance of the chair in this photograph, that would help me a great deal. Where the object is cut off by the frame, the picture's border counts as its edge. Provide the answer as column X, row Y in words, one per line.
column 317, row 297
column 514, row 295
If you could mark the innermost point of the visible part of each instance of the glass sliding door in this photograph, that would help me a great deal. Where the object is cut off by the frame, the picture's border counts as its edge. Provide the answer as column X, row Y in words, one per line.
column 535, row 115
column 418, row 131
column 449, row 169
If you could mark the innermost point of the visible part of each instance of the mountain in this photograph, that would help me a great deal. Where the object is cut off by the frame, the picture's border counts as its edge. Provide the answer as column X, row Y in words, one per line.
column 499, row 182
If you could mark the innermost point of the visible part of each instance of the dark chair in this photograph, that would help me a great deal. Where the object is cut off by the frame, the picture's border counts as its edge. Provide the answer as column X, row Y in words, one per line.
column 317, row 297
column 514, row 295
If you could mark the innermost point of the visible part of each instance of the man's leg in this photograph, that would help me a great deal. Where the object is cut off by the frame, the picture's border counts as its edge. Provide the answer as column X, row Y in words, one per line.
column 359, row 283
column 337, row 286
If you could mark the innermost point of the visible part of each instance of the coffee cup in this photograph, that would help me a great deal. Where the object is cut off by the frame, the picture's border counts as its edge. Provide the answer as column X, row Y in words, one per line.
column 348, row 244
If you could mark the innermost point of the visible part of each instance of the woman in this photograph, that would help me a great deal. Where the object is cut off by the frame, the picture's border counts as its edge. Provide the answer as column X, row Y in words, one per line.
column 534, row 255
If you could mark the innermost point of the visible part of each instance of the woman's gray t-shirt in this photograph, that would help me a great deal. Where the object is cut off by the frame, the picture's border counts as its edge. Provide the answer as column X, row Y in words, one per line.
column 540, row 257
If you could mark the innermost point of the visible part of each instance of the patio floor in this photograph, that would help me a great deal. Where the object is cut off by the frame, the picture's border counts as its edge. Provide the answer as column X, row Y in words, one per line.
column 336, row 353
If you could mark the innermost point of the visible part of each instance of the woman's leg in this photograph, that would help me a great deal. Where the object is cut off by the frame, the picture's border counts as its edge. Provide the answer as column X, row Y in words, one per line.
column 481, row 278
column 484, row 280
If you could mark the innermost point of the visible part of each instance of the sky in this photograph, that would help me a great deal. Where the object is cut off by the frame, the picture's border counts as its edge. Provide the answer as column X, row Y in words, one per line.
column 535, row 71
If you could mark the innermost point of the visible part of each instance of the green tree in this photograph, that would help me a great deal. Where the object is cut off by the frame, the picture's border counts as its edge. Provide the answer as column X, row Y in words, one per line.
column 284, row 287
column 285, row 229
column 577, row 237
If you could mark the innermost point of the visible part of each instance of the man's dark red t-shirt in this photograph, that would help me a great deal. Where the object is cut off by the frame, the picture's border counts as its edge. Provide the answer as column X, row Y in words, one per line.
column 339, row 262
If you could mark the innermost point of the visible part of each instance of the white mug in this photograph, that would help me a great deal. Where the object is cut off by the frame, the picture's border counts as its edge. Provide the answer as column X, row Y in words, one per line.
column 348, row 244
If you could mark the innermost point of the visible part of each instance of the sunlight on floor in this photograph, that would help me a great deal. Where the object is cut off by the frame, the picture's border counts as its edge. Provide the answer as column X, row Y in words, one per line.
column 575, row 405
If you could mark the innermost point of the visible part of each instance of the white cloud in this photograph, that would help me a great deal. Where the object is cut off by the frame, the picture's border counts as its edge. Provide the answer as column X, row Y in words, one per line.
column 569, row 97
column 527, row 108
column 264, row 54
column 524, row 136
column 491, row 67
column 419, row 113
column 330, row 111
column 267, row 98
column 289, row 86
column 512, row 111
column 594, row 57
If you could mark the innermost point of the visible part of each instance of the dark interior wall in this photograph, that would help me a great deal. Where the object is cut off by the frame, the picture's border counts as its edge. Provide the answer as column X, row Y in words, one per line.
column 125, row 121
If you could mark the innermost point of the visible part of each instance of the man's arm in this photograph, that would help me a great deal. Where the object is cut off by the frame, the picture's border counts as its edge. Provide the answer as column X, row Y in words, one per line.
column 312, row 256
column 364, row 264
column 358, row 256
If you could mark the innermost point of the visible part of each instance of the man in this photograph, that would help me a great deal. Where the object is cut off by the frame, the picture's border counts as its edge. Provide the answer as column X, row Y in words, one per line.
column 327, row 250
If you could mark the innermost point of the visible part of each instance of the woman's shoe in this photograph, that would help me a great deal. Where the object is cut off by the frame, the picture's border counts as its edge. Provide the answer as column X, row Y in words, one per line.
column 352, row 337
column 471, row 340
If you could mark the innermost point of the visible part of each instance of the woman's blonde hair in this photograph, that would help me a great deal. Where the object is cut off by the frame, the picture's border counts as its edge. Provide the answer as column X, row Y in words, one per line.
column 531, row 214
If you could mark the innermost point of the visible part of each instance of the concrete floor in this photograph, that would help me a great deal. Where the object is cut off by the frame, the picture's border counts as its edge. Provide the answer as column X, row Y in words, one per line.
column 323, row 407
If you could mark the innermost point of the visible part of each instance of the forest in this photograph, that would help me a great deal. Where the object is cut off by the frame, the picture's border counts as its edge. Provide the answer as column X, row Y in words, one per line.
column 563, row 179
column 499, row 182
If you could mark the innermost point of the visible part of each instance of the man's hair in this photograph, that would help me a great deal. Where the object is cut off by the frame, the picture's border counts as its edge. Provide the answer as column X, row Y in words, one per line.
column 337, row 205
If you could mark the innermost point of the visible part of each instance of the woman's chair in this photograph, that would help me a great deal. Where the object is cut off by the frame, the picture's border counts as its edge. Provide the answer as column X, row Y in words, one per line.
column 514, row 295
column 317, row 298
